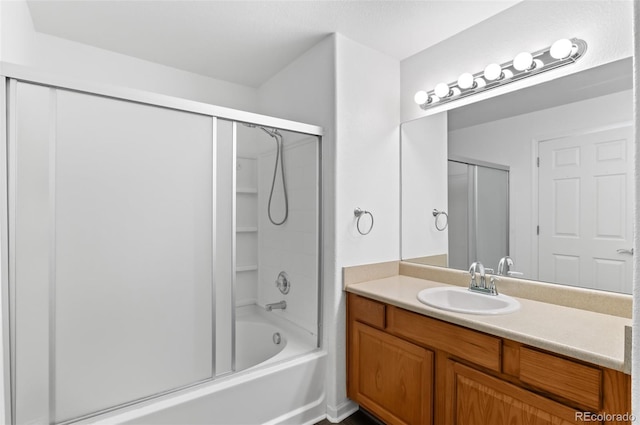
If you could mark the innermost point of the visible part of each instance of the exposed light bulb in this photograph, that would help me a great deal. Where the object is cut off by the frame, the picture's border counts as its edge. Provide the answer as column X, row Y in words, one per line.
column 442, row 90
column 561, row 49
column 421, row 97
column 562, row 52
column 465, row 81
column 492, row 72
column 523, row 61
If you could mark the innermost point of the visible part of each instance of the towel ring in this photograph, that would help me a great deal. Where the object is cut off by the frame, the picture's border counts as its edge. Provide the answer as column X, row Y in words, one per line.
column 437, row 214
column 359, row 213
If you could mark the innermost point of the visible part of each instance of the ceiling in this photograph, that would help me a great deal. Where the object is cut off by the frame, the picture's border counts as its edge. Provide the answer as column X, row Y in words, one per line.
column 247, row 42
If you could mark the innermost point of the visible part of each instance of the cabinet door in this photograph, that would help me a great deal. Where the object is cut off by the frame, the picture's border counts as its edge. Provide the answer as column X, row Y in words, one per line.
column 475, row 398
column 391, row 377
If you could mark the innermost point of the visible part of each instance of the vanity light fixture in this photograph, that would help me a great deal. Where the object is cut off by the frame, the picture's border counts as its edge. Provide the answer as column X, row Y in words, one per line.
column 525, row 64
column 442, row 90
column 493, row 72
column 466, row 81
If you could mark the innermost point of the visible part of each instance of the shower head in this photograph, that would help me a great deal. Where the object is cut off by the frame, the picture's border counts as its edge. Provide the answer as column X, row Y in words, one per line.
column 270, row 131
column 273, row 132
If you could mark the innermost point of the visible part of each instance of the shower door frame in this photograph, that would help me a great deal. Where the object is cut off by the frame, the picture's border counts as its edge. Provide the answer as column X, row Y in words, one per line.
column 10, row 74
column 473, row 224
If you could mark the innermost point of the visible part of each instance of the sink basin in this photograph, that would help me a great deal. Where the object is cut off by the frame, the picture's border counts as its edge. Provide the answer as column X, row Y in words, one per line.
column 462, row 300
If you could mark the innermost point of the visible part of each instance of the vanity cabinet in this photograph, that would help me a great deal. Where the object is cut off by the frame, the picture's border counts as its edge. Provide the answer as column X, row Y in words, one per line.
column 478, row 398
column 407, row 368
column 391, row 377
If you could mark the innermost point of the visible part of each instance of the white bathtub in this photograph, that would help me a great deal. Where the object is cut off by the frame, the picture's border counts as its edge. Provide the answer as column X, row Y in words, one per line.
column 257, row 342
column 273, row 384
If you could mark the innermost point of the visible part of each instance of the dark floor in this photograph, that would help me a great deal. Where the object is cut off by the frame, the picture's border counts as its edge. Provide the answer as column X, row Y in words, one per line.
column 358, row 418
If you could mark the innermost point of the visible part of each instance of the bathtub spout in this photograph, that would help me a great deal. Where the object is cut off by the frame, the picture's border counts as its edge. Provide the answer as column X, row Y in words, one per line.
column 276, row 306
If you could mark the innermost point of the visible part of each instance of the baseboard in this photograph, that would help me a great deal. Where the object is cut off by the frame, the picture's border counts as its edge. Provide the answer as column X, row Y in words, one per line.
column 342, row 411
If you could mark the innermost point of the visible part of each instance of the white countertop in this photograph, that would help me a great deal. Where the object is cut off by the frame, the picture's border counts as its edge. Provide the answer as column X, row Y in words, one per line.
column 592, row 337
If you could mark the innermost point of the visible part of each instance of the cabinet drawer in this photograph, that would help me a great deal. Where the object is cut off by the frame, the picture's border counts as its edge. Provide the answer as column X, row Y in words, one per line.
column 476, row 347
column 562, row 377
column 367, row 311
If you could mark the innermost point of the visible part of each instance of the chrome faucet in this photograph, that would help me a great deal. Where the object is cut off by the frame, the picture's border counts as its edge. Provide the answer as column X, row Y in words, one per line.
column 481, row 285
column 276, row 306
column 504, row 267
column 477, row 267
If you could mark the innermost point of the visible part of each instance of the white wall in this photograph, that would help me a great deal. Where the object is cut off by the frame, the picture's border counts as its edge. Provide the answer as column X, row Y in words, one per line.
column 353, row 93
column 529, row 25
column 21, row 44
column 367, row 172
column 424, row 188
column 510, row 142
column 367, row 87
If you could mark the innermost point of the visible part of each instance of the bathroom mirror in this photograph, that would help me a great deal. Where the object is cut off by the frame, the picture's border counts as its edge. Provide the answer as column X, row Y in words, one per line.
column 543, row 175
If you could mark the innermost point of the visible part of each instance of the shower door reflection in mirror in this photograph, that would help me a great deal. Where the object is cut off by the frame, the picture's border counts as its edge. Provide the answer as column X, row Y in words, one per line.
column 478, row 213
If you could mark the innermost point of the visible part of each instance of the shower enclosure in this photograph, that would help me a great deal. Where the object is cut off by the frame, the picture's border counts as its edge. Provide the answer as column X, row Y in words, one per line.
column 141, row 253
column 478, row 213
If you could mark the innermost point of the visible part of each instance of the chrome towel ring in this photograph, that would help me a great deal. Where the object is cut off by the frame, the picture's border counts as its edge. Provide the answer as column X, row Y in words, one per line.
column 359, row 213
column 437, row 215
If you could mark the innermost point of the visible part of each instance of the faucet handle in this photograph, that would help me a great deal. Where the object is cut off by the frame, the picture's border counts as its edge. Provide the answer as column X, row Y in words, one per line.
column 514, row 274
column 488, row 270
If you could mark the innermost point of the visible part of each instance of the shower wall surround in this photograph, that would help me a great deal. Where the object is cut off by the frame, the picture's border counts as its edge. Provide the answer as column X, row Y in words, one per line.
column 291, row 247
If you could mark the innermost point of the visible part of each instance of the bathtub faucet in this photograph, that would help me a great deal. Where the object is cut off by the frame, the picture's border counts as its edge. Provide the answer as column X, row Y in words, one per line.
column 276, row 306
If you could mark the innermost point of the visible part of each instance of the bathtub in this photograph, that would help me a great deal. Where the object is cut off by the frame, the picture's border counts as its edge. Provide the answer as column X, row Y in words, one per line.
column 274, row 383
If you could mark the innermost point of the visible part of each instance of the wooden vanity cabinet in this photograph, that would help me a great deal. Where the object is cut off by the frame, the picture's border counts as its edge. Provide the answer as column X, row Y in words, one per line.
column 407, row 368
column 477, row 398
column 392, row 378
column 388, row 376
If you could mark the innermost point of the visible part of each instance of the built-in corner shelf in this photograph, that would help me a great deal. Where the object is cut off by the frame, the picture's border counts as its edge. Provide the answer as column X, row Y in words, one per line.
column 247, row 268
column 247, row 190
column 246, row 229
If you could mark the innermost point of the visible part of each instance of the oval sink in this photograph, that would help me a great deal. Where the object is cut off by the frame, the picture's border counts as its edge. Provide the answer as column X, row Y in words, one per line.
column 462, row 300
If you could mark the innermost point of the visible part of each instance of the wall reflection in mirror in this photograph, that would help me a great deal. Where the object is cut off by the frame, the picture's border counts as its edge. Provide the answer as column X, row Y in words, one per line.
column 543, row 175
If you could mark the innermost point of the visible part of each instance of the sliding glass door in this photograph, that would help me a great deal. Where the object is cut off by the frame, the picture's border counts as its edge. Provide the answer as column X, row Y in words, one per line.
column 111, row 209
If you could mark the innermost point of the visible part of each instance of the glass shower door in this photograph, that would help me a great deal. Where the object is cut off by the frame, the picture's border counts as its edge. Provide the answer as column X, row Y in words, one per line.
column 112, row 212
